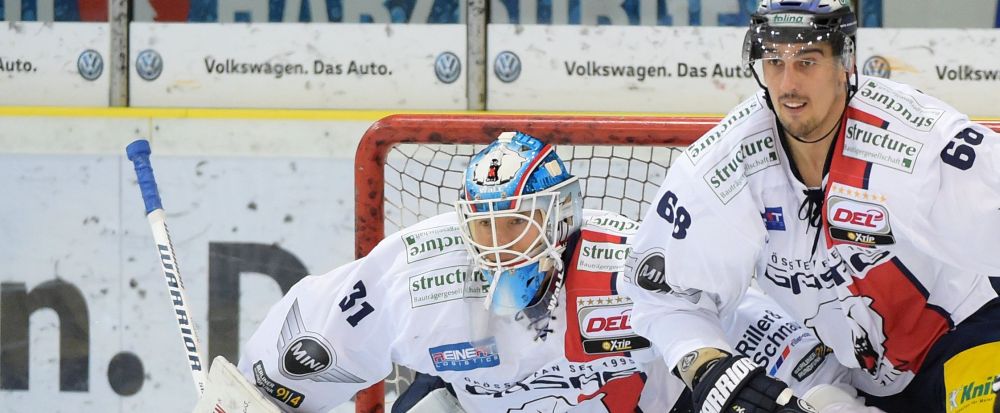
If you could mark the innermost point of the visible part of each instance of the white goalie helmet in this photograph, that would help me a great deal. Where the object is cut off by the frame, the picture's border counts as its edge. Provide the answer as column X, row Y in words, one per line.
column 518, row 207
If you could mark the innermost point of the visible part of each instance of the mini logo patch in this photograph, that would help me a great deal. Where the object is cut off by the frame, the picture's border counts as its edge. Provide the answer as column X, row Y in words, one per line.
column 465, row 356
column 307, row 355
column 774, row 219
column 651, row 274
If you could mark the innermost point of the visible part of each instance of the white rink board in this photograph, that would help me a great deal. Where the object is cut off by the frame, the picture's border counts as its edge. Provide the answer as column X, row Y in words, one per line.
column 44, row 64
column 76, row 217
column 696, row 69
column 342, row 66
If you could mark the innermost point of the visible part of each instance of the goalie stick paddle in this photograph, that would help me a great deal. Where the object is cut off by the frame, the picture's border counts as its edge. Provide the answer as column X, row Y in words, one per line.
column 138, row 152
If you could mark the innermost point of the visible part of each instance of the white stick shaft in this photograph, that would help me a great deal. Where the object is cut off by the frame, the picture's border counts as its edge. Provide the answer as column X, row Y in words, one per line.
column 175, row 286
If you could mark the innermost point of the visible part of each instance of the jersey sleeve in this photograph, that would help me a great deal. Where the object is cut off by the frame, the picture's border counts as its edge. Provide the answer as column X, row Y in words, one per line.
column 965, row 217
column 326, row 339
column 764, row 332
column 691, row 260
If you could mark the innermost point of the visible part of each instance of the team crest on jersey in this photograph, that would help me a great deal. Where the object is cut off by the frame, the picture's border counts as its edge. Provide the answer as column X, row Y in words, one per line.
column 498, row 167
column 605, row 325
column 868, row 339
column 306, row 355
column 862, row 223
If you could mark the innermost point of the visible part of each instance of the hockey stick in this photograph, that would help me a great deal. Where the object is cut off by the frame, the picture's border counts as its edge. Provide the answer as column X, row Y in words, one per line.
column 138, row 152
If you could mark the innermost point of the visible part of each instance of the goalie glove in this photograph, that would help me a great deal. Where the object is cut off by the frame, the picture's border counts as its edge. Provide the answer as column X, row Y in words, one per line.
column 227, row 391
column 735, row 384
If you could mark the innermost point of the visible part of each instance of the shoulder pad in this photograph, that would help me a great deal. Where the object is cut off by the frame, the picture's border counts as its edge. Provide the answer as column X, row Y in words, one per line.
column 610, row 222
column 902, row 103
column 739, row 115
column 431, row 238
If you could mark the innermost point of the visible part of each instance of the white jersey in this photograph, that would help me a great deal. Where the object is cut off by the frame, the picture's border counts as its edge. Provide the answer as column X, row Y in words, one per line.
column 910, row 217
column 411, row 302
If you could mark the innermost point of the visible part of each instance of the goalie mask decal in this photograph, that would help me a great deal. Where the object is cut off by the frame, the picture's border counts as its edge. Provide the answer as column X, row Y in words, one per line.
column 498, row 167
column 307, row 355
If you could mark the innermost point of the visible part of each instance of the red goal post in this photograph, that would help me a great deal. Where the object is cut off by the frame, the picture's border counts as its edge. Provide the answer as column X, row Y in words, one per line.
column 417, row 196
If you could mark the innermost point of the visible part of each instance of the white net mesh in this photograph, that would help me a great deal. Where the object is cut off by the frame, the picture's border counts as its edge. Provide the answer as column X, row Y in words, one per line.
column 423, row 180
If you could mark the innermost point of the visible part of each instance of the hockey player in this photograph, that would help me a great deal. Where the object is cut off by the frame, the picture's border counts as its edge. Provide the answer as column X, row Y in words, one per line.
column 511, row 299
column 870, row 211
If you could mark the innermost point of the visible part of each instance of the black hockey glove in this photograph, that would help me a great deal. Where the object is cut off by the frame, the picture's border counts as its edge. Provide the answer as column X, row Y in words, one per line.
column 735, row 384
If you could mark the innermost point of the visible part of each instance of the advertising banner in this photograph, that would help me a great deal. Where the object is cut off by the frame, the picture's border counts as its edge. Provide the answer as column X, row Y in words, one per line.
column 300, row 11
column 620, row 68
column 54, row 64
column 344, row 66
column 698, row 70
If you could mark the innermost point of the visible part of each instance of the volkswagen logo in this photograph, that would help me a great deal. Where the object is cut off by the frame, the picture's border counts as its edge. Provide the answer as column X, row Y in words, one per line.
column 90, row 64
column 877, row 66
column 507, row 66
column 149, row 65
column 447, row 67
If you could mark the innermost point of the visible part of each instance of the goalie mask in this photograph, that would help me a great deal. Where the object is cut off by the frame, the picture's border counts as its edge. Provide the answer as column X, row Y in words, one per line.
column 518, row 207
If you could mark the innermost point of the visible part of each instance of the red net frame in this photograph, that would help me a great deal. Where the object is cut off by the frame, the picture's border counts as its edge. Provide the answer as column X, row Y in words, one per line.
column 381, row 137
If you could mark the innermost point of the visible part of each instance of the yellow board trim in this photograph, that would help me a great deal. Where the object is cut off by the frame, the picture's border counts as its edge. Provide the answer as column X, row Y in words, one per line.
column 279, row 114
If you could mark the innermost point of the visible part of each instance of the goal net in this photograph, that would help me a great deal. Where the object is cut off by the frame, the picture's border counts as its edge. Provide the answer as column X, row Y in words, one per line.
column 410, row 167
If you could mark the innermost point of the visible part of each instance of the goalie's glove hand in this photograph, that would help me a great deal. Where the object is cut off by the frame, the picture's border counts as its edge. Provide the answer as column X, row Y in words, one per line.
column 735, row 384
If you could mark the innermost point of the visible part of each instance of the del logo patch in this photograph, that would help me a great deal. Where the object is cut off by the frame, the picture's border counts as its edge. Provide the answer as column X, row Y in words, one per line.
column 605, row 325
column 858, row 222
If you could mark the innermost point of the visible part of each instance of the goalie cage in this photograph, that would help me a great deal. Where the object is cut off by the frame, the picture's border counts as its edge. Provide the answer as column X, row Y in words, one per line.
column 410, row 167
